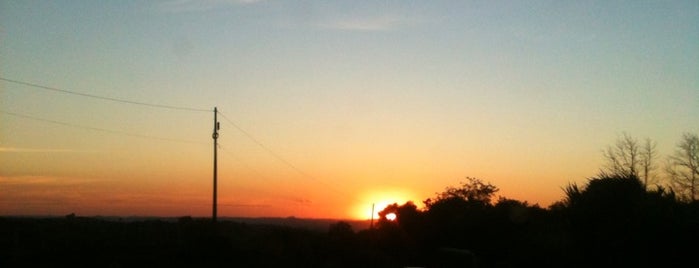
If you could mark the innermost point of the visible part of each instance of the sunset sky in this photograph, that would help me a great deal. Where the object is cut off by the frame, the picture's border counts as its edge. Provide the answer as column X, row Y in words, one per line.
column 336, row 104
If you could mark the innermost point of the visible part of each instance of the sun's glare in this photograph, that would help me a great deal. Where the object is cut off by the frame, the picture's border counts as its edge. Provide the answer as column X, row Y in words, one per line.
column 380, row 200
column 391, row 216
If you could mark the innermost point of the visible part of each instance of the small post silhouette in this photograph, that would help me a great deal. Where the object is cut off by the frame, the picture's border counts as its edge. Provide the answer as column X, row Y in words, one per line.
column 371, row 224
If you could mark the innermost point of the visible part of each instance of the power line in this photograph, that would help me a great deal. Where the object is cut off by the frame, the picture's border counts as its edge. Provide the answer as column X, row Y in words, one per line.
column 99, row 129
column 285, row 196
column 247, row 134
column 281, row 159
column 230, row 154
column 102, row 97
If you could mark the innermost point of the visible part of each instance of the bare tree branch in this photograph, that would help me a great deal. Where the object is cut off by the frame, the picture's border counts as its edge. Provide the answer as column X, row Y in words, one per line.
column 623, row 159
column 683, row 167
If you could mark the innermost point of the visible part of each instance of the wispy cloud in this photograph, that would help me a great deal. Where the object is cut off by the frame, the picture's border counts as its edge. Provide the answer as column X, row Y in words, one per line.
column 369, row 24
column 251, row 205
column 178, row 6
column 44, row 181
column 39, row 150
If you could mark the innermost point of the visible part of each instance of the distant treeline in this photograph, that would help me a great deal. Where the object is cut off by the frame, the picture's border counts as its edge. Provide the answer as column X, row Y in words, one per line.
column 615, row 220
column 610, row 221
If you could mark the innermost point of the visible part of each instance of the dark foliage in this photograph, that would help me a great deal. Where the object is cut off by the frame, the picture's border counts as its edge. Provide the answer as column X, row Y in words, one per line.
column 614, row 221
column 610, row 221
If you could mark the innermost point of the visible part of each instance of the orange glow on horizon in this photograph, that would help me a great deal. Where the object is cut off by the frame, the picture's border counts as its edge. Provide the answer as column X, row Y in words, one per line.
column 380, row 200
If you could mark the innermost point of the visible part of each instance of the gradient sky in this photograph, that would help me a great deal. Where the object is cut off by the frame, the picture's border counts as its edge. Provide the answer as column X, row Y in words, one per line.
column 348, row 103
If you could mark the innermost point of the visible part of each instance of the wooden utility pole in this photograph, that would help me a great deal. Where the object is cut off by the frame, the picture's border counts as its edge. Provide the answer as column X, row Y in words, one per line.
column 215, row 136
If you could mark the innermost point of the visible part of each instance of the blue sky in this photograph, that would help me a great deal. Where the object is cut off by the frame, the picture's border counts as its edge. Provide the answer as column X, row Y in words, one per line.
column 407, row 96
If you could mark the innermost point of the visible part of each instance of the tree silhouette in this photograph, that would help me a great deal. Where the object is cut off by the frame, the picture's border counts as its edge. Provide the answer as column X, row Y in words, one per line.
column 609, row 220
column 628, row 157
column 622, row 159
column 613, row 220
column 472, row 190
column 648, row 158
column 683, row 167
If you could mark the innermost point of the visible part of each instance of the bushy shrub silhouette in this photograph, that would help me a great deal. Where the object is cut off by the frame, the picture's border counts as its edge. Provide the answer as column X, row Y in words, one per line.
column 615, row 221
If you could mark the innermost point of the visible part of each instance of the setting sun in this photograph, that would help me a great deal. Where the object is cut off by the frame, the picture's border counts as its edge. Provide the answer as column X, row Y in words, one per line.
column 380, row 201
column 267, row 133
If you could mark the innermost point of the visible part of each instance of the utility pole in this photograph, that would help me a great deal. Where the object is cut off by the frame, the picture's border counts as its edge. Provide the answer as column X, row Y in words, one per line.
column 215, row 136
